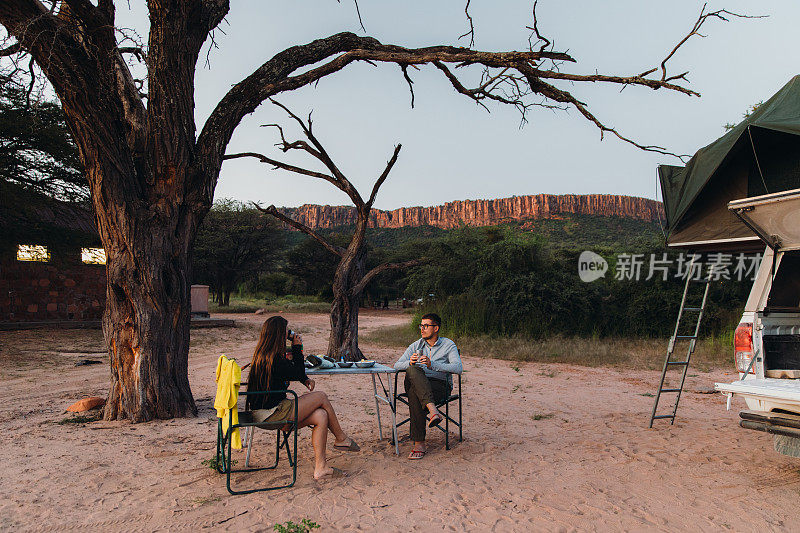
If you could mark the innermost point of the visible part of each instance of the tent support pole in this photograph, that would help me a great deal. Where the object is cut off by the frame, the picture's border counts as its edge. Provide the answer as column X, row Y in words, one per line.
column 755, row 156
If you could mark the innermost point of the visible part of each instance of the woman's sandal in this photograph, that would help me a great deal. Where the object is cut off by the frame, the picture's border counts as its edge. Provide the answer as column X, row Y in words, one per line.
column 434, row 420
column 350, row 446
column 416, row 454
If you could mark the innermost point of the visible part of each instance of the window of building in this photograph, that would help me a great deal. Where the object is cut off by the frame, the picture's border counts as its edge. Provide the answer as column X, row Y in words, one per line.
column 32, row 252
column 93, row 256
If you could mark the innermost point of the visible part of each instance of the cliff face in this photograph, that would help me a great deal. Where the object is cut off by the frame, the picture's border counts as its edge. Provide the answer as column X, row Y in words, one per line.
column 483, row 212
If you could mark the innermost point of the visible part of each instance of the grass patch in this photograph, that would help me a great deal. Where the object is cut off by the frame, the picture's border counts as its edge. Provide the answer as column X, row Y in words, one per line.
column 542, row 416
column 615, row 352
column 82, row 419
column 392, row 336
column 648, row 394
column 304, row 526
column 213, row 463
column 251, row 304
column 204, row 501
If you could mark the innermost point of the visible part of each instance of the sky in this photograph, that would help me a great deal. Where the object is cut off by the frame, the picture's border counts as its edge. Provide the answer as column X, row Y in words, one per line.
column 455, row 150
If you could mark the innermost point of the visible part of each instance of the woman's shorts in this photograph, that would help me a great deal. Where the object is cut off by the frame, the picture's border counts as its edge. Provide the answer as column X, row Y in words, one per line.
column 282, row 411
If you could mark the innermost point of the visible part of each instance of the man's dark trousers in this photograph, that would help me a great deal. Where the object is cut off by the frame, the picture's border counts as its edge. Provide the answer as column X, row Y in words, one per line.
column 422, row 391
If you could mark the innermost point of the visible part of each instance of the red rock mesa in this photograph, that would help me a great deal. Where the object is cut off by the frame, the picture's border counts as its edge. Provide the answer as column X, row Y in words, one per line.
column 484, row 212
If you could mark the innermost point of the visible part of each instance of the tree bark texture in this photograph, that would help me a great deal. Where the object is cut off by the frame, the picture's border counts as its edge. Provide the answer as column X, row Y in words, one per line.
column 343, row 339
column 146, row 325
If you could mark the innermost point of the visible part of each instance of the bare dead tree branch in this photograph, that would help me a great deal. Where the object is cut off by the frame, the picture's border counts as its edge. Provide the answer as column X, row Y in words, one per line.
column 284, row 166
column 558, row 95
column 322, row 155
column 276, row 76
column 720, row 14
column 410, row 82
column 522, row 80
column 299, row 144
column 11, row 50
column 358, row 12
column 535, row 31
column 273, row 211
column 471, row 31
column 513, row 88
column 136, row 51
column 457, row 85
column 361, row 285
column 383, row 176
column 618, row 80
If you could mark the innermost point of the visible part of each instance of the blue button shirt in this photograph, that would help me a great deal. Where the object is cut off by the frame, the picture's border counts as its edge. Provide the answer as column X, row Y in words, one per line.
column 444, row 356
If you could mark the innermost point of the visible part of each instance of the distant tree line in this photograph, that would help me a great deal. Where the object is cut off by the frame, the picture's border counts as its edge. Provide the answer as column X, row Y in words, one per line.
column 234, row 244
column 505, row 280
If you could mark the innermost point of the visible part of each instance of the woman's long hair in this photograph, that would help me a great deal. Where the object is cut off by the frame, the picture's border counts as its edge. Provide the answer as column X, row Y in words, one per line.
column 271, row 344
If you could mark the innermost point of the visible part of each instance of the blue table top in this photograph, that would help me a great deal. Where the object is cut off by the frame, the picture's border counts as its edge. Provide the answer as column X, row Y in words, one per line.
column 375, row 369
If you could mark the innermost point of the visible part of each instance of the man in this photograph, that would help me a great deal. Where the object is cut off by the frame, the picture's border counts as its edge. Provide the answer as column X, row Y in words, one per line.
column 429, row 363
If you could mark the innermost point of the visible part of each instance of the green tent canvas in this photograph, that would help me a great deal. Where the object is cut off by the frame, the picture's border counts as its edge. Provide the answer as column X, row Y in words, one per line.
column 761, row 155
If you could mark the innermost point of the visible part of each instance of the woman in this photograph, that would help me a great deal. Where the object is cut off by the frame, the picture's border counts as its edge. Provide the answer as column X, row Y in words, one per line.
column 272, row 369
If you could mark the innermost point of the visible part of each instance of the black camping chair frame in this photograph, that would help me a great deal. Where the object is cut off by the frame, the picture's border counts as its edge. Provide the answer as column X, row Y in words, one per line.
column 224, row 459
column 403, row 397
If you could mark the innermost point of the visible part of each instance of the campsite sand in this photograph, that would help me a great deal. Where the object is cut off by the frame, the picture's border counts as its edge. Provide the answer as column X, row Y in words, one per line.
column 587, row 463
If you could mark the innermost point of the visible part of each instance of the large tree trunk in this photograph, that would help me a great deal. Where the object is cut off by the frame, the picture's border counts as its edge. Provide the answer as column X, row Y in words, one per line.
column 146, row 324
column 147, row 315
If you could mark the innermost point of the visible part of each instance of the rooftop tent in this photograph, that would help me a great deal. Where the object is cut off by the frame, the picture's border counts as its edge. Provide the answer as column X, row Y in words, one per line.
column 761, row 155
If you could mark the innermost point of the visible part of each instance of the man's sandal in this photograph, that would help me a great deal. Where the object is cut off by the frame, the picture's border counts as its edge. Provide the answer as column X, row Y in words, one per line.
column 434, row 420
column 416, row 454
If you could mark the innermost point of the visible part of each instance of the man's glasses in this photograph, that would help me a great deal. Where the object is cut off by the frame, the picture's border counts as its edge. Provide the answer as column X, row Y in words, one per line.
column 426, row 326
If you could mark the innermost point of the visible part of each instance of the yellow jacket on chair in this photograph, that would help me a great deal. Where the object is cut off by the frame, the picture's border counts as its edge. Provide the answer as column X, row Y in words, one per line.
column 229, row 377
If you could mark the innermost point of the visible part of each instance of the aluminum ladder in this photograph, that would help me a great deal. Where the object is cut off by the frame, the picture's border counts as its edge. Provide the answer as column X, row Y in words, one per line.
column 669, row 363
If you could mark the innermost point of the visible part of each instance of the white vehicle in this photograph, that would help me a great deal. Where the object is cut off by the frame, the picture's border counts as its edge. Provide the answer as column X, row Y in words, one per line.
column 767, row 340
column 737, row 194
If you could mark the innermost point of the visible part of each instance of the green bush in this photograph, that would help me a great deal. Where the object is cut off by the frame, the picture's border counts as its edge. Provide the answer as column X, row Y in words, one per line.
column 304, row 526
column 502, row 283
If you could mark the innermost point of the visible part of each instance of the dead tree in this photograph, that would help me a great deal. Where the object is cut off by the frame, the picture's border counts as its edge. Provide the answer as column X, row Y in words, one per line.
column 152, row 175
column 351, row 277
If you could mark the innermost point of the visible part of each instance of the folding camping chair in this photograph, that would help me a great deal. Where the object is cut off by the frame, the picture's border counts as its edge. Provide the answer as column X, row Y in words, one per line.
column 224, row 459
column 403, row 397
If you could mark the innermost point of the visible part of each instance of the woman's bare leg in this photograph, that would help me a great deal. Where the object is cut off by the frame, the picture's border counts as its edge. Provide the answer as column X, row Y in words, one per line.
column 310, row 402
column 319, row 440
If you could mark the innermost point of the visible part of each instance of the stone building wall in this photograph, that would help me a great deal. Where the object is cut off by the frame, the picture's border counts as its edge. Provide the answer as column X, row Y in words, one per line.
column 38, row 292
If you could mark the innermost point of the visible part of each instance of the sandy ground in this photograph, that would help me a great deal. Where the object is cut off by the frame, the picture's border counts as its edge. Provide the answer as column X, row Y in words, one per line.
column 547, row 447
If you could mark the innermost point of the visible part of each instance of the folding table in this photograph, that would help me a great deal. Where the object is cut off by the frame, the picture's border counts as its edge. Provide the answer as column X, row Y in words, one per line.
column 374, row 371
